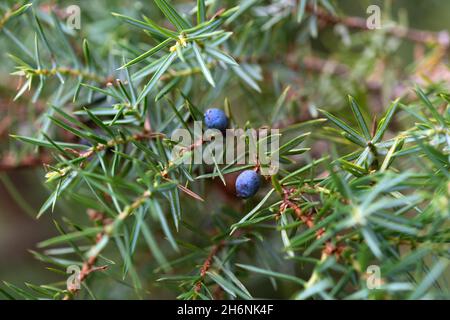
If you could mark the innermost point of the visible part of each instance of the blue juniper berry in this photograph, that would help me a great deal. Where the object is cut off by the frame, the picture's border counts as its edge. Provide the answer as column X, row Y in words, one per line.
column 216, row 119
column 247, row 184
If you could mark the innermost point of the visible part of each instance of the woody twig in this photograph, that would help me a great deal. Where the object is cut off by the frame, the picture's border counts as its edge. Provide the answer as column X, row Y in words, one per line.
column 308, row 220
column 207, row 264
column 89, row 265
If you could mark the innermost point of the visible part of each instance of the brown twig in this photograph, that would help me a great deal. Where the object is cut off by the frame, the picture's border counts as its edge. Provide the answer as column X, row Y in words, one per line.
column 89, row 265
column 287, row 203
column 9, row 163
column 109, row 226
column 207, row 264
column 308, row 219
column 114, row 142
column 441, row 38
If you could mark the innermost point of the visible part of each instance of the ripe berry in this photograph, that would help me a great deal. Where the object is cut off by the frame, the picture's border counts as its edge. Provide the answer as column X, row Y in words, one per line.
column 247, row 184
column 216, row 119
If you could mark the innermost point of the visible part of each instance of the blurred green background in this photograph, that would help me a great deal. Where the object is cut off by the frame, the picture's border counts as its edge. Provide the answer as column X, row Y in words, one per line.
column 21, row 191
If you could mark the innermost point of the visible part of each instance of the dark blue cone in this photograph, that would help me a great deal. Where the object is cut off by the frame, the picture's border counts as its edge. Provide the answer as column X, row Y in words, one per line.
column 216, row 119
column 247, row 184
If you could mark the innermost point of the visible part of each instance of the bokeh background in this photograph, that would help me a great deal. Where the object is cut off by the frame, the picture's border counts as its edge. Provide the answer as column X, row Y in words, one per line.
column 22, row 191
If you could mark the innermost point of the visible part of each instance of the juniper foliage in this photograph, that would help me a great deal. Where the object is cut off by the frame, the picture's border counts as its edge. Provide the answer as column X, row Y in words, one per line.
column 364, row 179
